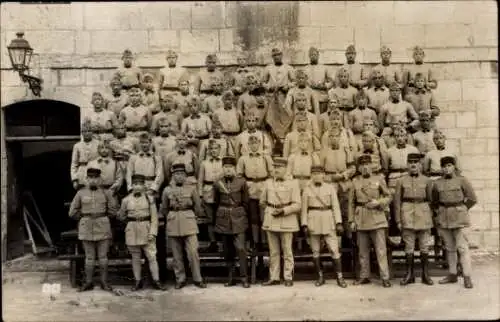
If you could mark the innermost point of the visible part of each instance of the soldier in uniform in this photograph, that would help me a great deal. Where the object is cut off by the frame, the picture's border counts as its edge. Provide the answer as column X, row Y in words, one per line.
column 150, row 96
column 256, row 167
column 391, row 72
column 414, row 217
column 180, row 205
column 183, row 155
column 302, row 88
column 165, row 142
column 172, row 75
column 91, row 206
column 254, row 101
column 138, row 209
column 345, row 93
column 423, row 139
column 210, row 172
column 197, row 123
column 367, row 203
column 321, row 219
column 231, row 219
column 225, row 144
column 378, row 93
column 229, row 117
column 123, row 146
column 183, row 98
column 280, row 200
column 120, row 97
column 213, row 101
column 453, row 196
column 291, row 144
column 397, row 110
column 347, row 137
column 357, row 74
column 136, row 116
column 101, row 120
column 371, row 145
column 419, row 67
column 128, row 74
column 320, row 79
column 83, row 152
column 361, row 113
column 312, row 119
column 169, row 110
column 324, row 118
column 146, row 163
column 111, row 173
column 422, row 98
column 205, row 78
column 242, row 145
column 432, row 159
column 301, row 161
column 238, row 79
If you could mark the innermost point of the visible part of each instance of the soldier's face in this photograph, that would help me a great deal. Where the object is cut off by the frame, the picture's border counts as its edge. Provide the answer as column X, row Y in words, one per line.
column 194, row 108
column 228, row 101
column 301, row 124
column 385, row 55
column 350, row 56
column 368, row 142
column 300, row 102
column 420, row 83
column 87, row 135
column 440, row 141
column 344, row 79
column 277, row 58
column 334, row 142
column 127, row 61
column 217, row 87
column 303, row 144
column 217, row 130
column 211, row 64
column 448, row 169
column 215, row 150
column 333, row 103
column 167, row 103
column 184, row 87
column 164, row 129
column 425, row 123
column 301, row 80
column 317, row 177
column 179, row 177
column 378, row 79
column 148, row 84
column 93, row 181
column 242, row 62
column 145, row 145
column 134, row 96
column 362, row 101
column 314, row 57
column 97, row 101
column 418, row 56
column 104, row 151
column 253, row 145
column 414, row 167
column 395, row 93
column 335, row 123
column 116, row 87
column 171, row 61
column 251, row 123
column 229, row 170
column 279, row 171
column 137, row 187
column 400, row 138
column 120, row 132
column 370, row 127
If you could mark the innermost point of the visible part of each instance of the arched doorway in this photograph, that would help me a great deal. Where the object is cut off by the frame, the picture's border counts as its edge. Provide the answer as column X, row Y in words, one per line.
column 39, row 136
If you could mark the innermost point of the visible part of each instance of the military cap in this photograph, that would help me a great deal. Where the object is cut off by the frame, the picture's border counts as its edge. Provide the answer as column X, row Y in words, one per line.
column 227, row 94
column 144, row 137
column 96, row 94
column 171, row 53
column 148, row 75
column 336, row 113
column 418, row 49
column 313, row 50
column 424, row 114
column 394, row 86
column 177, row 167
column 115, row 80
column 317, row 168
column 138, row 178
column 364, row 159
column 163, row 121
column 134, row 86
column 229, row 160
column 351, row 49
column 343, row 71
column 93, row 172
column 413, row 157
column 276, row 51
column 253, row 138
column 385, row 49
column 280, row 161
column 447, row 160
column 127, row 53
column 211, row 57
column 212, row 143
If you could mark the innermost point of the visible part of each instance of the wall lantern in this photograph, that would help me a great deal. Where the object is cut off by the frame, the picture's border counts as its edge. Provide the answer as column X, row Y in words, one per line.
column 20, row 53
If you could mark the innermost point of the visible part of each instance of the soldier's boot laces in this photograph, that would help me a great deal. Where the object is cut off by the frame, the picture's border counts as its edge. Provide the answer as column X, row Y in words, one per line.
column 426, row 279
column 338, row 269
column 230, row 277
column 410, row 270
column 468, row 282
column 104, row 279
column 317, row 265
column 451, row 278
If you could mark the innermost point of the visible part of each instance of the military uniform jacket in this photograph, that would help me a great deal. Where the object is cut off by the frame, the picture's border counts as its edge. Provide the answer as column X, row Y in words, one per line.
column 231, row 120
column 312, row 123
column 358, row 116
column 412, row 202
column 172, row 76
column 424, row 141
column 179, row 205
column 453, row 197
column 255, row 167
column 340, row 162
column 364, row 190
column 210, row 172
column 226, row 148
column 432, row 161
column 152, row 101
column 377, row 97
column 281, row 195
column 312, row 103
column 101, row 121
column 345, row 94
column 242, row 147
column 117, row 103
column 150, row 166
column 319, row 79
column 231, row 197
column 204, row 80
column 357, row 75
column 392, row 112
column 136, row 118
column 391, row 72
column 212, row 103
column 163, row 145
column 278, row 76
column 424, row 69
column 291, row 144
column 320, row 209
column 92, row 208
column 199, row 125
column 124, row 147
column 141, row 207
column 129, row 75
column 83, row 153
column 187, row 157
column 111, row 172
column 423, row 100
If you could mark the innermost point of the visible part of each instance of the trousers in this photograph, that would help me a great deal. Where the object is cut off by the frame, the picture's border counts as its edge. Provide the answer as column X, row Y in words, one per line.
column 280, row 242
column 409, row 237
column 89, row 247
column 377, row 236
column 150, row 252
column 190, row 243
column 331, row 240
column 235, row 244
column 456, row 239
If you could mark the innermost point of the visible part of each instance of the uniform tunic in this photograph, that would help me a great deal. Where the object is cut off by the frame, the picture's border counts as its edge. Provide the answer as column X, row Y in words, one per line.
column 137, row 119
column 123, row 148
column 173, row 117
column 377, row 97
column 432, row 162
column 200, row 125
column 285, row 195
column 346, row 96
column 358, row 116
column 150, row 166
column 424, row 69
column 188, row 158
column 180, row 204
column 320, row 209
column 231, row 197
column 255, row 168
column 101, row 123
column 423, row 100
column 242, row 147
column 83, row 153
column 211, row 104
column 397, row 164
column 291, row 144
column 299, row 166
column 182, row 104
column 141, row 207
column 357, row 74
column 341, row 162
column 391, row 72
column 129, row 76
column 239, row 79
column 204, row 80
column 411, row 202
column 312, row 104
column 231, row 120
column 210, row 172
column 226, row 148
column 111, row 172
column 152, row 101
column 346, row 139
column 172, row 77
column 312, row 123
column 396, row 112
column 93, row 207
column 117, row 103
column 163, row 145
column 319, row 78
column 424, row 140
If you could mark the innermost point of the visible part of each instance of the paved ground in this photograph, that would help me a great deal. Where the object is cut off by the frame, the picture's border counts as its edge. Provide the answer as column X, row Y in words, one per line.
column 23, row 301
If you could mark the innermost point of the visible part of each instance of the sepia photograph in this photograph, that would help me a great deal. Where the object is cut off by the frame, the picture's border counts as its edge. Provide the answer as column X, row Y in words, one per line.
column 249, row 160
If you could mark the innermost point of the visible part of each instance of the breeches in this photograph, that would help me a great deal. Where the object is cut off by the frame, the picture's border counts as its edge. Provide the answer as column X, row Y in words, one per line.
column 331, row 240
column 190, row 243
column 409, row 237
column 89, row 247
column 456, row 239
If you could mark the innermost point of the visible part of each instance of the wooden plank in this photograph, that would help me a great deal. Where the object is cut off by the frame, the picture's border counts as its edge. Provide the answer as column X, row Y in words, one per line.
column 42, row 138
column 42, row 222
column 30, row 235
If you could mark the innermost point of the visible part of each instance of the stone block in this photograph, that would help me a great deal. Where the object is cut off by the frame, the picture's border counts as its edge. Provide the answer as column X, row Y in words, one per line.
column 71, row 77
column 199, row 40
column 10, row 78
column 18, row 16
column 207, row 15
column 474, row 146
column 459, row 54
column 99, row 77
column 304, row 18
column 485, row 132
column 77, row 95
column 163, row 39
column 402, row 37
column 492, row 146
column 446, row 121
column 460, row 70
column 422, row 12
column 456, row 106
column 456, row 133
column 116, row 41
column 494, row 216
column 82, row 42
column 227, row 39
column 465, row 11
column 336, row 37
column 51, row 42
column 479, row 219
column 477, row 184
column 367, row 38
column 479, row 89
column 370, row 13
column 487, row 113
column 471, row 162
column 449, row 90
column 328, row 13
column 491, row 240
column 489, row 69
column 456, row 35
column 485, row 35
column 151, row 60
column 466, row 119
column 309, row 36
column 13, row 94
column 453, row 144
column 333, row 57
column 180, row 15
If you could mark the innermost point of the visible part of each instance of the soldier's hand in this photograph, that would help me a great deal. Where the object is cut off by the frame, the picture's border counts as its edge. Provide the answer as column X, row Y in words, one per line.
column 151, row 237
column 305, row 229
column 278, row 212
column 372, row 204
column 339, row 228
column 75, row 184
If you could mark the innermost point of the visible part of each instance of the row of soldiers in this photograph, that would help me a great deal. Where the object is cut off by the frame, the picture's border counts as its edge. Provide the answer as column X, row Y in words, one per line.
column 282, row 113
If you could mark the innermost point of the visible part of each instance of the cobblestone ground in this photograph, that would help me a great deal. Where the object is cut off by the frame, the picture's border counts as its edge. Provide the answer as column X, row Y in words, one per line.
column 23, row 300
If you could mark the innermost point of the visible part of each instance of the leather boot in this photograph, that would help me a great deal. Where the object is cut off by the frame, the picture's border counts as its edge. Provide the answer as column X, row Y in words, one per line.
column 158, row 286
column 426, row 279
column 451, row 278
column 319, row 271
column 89, row 275
column 338, row 270
column 104, row 278
column 410, row 271
column 244, row 282
column 468, row 282
column 244, row 271
column 230, row 277
column 138, row 285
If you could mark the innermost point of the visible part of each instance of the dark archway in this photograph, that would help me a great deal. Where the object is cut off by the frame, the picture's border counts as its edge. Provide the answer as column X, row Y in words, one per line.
column 39, row 139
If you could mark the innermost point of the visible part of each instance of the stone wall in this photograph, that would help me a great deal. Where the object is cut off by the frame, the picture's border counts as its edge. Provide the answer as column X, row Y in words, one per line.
column 79, row 44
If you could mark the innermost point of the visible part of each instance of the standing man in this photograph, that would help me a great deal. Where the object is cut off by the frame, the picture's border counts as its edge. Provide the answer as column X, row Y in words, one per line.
column 91, row 206
column 83, row 152
column 280, row 200
column 203, row 81
column 320, row 79
column 357, row 75
column 453, row 196
column 172, row 75
column 321, row 219
column 128, row 74
column 414, row 217
column 180, row 205
column 231, row 219
column 367, row 203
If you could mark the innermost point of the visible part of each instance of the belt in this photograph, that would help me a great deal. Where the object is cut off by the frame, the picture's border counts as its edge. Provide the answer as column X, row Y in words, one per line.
column 179, row 208
column 435, row 174
column 148, row 218
column 189, row 174
column 451, row 204
column 203, row 137
column 208, row 182
column 101, row 131
column 172, row 88
column 398, row 170
column 302, row 177
column 319, row 208
column 206, row 91
column 149, row 178
column 137, row 129
column 230, row 133
column 230, row 206
column 360, row 204
column 82, row 163
column 127, row 86
column 255, row 179
column 106, row 186
column 414, row 200
column 99, row 215
column 278, row 206
column 121, row 157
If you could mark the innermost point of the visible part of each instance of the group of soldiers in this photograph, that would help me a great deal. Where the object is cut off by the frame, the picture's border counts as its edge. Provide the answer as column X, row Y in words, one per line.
column 287, row 152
